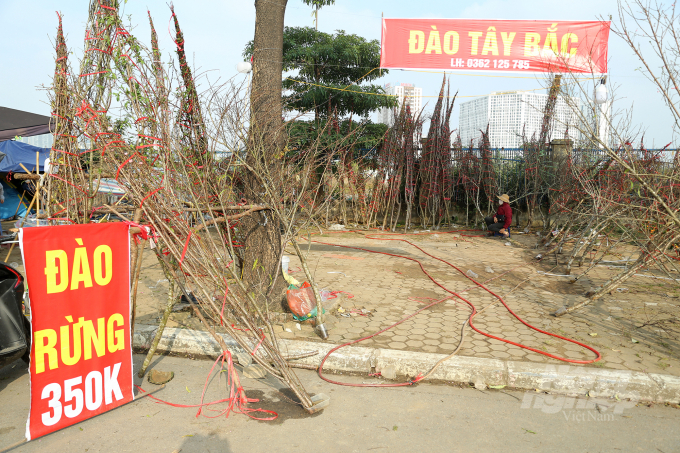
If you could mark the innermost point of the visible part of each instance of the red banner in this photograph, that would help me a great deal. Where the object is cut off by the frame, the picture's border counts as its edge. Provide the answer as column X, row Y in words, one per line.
column 495, row 45
column 81, row 357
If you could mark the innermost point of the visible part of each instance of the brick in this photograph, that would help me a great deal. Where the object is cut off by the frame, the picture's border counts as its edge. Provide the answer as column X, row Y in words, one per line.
column 397, row 345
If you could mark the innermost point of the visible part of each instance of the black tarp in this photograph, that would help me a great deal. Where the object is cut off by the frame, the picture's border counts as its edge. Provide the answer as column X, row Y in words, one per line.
column 24, row 124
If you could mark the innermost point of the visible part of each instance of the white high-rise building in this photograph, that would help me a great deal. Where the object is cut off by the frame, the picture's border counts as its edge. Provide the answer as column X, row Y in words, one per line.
column 42, row 141
column 508, row 113
column 407, row 94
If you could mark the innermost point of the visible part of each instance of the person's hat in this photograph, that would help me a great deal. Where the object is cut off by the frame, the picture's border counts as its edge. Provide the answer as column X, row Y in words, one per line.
column 504, row 198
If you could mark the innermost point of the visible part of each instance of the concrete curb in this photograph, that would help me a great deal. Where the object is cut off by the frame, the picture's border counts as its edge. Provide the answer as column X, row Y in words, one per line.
column 553, row 378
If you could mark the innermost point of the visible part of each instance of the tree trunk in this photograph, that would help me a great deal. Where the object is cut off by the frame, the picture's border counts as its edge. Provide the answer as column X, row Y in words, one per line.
column 261, row 235
column 265, row 95
column 260, row 232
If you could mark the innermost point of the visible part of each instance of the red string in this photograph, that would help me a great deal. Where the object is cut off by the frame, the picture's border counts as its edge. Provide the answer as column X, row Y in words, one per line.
column 237, row 400
column 334, row 294
column 150, row 195
column 186, row 245
column 453, row 294
column 147, row 232
column 127, row 161
column 93, row 73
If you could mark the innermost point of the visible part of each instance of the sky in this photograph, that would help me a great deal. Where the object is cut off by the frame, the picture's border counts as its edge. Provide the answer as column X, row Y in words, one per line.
column 216, row 32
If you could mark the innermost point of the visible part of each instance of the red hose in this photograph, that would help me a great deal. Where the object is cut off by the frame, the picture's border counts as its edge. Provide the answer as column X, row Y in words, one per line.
column 474, row 312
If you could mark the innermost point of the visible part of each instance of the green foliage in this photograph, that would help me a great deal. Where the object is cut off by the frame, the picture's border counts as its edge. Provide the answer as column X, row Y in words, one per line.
column 303, row 134
column 336, row 62
column 317, row 4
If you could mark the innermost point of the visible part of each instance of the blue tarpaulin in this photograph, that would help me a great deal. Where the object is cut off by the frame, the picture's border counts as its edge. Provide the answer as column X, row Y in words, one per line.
column 21, row 153
column 11, row 206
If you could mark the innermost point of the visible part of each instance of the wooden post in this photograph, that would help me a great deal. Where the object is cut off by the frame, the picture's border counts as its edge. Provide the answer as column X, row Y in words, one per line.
column 19, row 205
column 37, row 186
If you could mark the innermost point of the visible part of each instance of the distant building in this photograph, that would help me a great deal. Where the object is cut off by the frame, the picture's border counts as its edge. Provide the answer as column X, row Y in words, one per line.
column 508, row 113
column 42, row 141
column 407, row 94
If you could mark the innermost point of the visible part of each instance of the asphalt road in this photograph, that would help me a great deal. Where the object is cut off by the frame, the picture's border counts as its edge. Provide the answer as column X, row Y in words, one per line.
column 426, row 418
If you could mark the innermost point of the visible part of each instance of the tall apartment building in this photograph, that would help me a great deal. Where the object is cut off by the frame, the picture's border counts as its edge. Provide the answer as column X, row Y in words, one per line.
column 42, row 141
column 407, row 94
column 508, row 113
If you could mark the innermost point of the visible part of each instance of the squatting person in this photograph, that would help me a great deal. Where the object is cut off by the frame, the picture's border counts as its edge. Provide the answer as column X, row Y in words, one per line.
column 500, row 222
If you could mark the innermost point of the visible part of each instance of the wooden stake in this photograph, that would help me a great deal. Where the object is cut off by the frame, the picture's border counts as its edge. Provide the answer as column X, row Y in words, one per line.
column 37, row 170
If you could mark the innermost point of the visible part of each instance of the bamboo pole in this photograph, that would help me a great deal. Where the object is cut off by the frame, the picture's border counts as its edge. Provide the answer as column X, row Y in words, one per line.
column 19, row 205
column 37, row 190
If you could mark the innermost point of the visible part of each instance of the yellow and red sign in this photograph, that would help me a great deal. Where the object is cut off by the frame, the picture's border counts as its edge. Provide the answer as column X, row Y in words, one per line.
column 81, row 357
column 495, row 45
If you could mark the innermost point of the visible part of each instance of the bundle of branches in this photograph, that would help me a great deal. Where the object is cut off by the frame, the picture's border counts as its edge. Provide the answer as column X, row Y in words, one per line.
column 627, row 199
column 192, row 207
column 628, row 203
column 468, row 176
column 487, row 171
column 435, row 172
column 71, row 190
column 396, row 176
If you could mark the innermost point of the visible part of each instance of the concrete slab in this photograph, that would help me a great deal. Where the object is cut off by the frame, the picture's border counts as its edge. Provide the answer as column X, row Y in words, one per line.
column 552, row 378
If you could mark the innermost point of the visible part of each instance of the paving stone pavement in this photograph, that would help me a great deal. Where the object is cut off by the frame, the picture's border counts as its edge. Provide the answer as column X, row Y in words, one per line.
column 392, row 288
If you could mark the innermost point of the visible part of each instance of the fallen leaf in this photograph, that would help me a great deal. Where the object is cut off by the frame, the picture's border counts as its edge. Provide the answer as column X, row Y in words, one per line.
column 529, row 431
column 592, row 334
column 189, row 391
column 497, row 386
column 634, row 340
column 188, row 435
column 616, row 350
column 394, row 428
column 81, row 429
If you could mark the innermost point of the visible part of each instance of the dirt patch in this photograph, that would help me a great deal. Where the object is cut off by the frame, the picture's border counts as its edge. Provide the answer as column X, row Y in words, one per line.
column 408, row 270
column 342, row 257
column 282, row 401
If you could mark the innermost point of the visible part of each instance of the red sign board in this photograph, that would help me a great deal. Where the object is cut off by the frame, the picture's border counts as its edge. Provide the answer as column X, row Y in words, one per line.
column 81, row 358
column 495, row 45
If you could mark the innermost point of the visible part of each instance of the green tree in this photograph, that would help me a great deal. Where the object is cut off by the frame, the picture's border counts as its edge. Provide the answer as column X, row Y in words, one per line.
column 267, row 49
column 333, row 73
column 366, row 136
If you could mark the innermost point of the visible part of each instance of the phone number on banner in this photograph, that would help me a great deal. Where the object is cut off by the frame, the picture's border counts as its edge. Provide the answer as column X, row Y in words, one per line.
column 484, row 63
